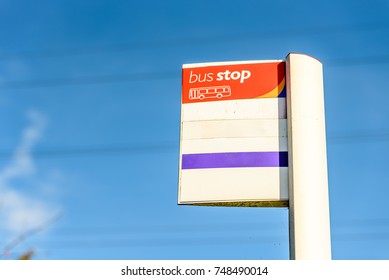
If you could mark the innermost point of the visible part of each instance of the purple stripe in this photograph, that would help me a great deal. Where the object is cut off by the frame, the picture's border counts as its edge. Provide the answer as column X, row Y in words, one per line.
column 231, row 160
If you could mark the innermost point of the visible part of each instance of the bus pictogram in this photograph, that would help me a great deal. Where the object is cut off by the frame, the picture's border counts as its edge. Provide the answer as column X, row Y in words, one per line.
column 209, row 92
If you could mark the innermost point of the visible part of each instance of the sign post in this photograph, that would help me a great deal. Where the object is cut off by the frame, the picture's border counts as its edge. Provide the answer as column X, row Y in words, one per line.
column 309, row 219
column 253, row 134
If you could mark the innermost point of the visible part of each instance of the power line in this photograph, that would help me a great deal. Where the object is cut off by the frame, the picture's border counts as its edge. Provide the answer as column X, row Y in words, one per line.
column 98, row 243
column 344, row 138
column 161, row 242
column 165, row 229
column 360, row 136
column 201, row 40
column 205, row 228
column 161, row 235
column 90, row 80
column 147, row 230
column 102, row 150
column 159, row 75
column 361, row 60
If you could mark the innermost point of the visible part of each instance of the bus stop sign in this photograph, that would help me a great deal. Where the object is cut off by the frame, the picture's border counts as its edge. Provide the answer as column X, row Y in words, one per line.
column 233, row 139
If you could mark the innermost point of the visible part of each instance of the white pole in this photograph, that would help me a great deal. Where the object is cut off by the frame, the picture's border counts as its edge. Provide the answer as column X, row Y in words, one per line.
column 309, row 220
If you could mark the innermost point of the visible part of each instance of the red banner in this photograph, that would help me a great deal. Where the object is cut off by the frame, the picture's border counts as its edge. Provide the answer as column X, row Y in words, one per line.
column 214, row 82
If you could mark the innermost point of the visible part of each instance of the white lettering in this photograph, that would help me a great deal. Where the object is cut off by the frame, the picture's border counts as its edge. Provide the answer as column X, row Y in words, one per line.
column 226, row 75
column 245, row 75
column 201, row 78
column 236, row 75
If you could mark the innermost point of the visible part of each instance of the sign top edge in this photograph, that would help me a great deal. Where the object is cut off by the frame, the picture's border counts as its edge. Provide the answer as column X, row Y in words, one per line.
column 205, row 64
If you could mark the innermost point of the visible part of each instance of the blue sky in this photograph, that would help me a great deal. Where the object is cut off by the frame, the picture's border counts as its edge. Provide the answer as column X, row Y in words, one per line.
column 90, row 115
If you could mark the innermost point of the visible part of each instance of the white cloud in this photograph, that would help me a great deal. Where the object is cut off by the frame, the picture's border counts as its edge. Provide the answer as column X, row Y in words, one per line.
column 22, row 164
column 20, row 211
